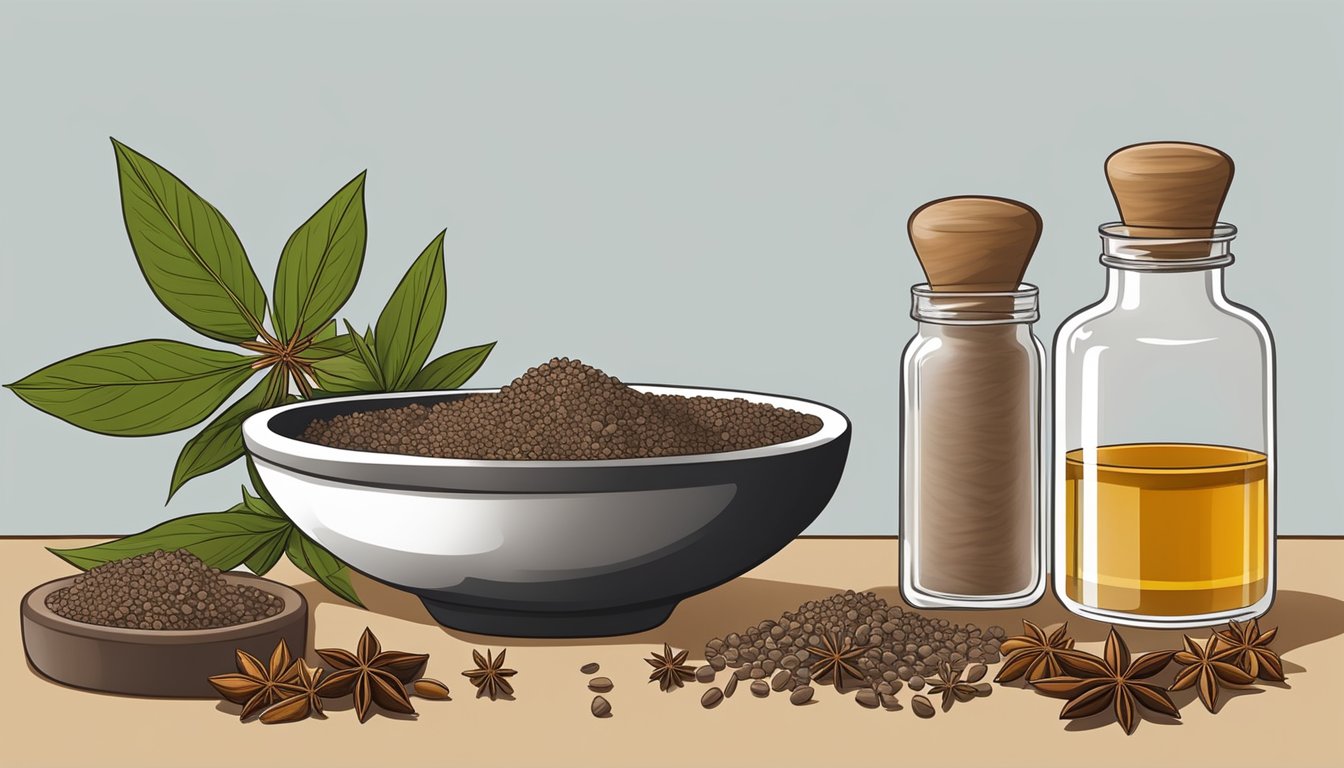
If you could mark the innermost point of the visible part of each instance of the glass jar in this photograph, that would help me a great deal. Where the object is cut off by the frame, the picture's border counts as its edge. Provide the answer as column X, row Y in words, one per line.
column 1164, row 441
column 972, row 533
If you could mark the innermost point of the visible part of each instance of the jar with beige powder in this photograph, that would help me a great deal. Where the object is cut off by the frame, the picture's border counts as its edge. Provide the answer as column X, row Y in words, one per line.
column 972, row 530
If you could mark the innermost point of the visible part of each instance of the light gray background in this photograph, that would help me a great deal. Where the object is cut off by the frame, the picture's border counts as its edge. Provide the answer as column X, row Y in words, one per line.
column 698, row 193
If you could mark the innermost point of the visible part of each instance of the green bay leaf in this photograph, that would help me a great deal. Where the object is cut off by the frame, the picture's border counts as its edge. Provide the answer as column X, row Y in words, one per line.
column 142, row 388
column 255, row 478
column 222, row 539
column 344, row 375
column 268, row 554
column 364, row 350
column 221, row 442
column 410, row 321
column 452, row 370
column 322, row 566
column 329, row 348
column 189, row 254
column 258, row 505
column 320, row 264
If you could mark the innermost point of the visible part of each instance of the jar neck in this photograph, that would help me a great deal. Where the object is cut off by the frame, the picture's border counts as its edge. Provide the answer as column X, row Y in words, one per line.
column 1161, row 266
column 1145, row 249
column 1128, row 288
column 974, row 307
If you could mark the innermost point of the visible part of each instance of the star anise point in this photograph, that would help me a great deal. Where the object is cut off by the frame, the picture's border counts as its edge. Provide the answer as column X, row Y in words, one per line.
column 1206, row 673
column 670, row 669
column 489, row 675
column 256, row 685
column 1244, row 645
column 1096, row 684
column 369, row 675
column 1034, row 655
column 303, row 700
column 834, row 655
column 951, row 686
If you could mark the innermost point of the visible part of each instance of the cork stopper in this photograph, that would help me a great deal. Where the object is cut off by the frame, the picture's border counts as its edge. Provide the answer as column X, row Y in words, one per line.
column 974, row 244
column 1169, row 188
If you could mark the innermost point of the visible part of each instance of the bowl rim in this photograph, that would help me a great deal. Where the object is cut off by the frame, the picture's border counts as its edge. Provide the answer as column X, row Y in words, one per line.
column 273, row 447
column 34, row 608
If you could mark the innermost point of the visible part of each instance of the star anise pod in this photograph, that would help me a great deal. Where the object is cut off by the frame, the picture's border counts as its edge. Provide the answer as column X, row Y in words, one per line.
column 834, row 658
column 401, row 665
column 951, row 686
column 1034, row 654
column 1200, row 667
column 1095, row 684
column 670, row 669
column 257, row 686
column 1247, row 647
column 372, row 675
column 489, row 674
column 302, row 702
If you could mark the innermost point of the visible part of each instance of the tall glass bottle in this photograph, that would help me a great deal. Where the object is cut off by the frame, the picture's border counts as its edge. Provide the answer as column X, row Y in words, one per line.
column 1164, row 413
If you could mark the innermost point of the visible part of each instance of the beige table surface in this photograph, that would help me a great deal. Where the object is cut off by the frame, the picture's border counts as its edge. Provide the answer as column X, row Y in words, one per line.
column 1300, row 723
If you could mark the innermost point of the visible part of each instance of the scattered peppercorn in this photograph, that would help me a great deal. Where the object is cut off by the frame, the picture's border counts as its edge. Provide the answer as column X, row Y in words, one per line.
column 898, row 645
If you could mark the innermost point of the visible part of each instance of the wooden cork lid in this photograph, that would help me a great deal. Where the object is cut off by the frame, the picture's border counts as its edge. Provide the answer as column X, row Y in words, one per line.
column 1169, row 188
column 974, row 244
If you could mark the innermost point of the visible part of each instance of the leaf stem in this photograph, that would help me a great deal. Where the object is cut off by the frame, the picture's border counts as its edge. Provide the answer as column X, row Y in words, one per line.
column 269, row 338
column 297, row 372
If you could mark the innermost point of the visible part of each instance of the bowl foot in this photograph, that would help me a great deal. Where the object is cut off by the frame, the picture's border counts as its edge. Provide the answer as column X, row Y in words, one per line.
column 509, row 623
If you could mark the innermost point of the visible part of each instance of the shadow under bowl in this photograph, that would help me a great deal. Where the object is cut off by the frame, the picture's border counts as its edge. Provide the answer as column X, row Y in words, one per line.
column 548, row 548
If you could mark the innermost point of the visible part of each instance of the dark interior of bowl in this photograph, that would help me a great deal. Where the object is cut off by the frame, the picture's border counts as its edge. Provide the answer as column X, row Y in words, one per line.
column 775, row 498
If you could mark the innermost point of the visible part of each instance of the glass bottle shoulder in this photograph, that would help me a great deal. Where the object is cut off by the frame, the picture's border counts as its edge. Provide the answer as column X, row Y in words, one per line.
column 1112, row 323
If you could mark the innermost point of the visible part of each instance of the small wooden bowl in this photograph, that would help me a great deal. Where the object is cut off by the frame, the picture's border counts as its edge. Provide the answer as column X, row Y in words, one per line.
column 170, row 663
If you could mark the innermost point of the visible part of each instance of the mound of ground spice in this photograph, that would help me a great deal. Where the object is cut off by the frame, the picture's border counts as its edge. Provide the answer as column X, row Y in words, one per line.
column 161, row 590
column 565, row 410
column 899, row 647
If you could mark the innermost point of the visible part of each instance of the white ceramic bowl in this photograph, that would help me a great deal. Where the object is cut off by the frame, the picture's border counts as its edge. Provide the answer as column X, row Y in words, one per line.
column 548, row 548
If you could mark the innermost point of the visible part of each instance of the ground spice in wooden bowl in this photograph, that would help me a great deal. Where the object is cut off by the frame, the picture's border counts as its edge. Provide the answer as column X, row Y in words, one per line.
column 161, row 590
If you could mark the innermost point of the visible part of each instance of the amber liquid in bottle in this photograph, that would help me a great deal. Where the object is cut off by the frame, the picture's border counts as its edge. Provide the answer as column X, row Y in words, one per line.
column 1180, row 529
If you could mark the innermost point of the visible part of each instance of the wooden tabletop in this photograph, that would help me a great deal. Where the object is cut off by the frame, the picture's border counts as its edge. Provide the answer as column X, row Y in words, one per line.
column 1300, row 723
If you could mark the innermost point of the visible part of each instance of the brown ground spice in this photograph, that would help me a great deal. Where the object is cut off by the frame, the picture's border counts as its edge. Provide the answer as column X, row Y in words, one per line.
column 900, row 646
column 161, row 590
column 565, row 410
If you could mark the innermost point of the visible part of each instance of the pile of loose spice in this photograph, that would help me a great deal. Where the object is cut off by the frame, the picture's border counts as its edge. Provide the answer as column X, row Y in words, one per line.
column 854, row 640
column 163, row 591
column 565, row 410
